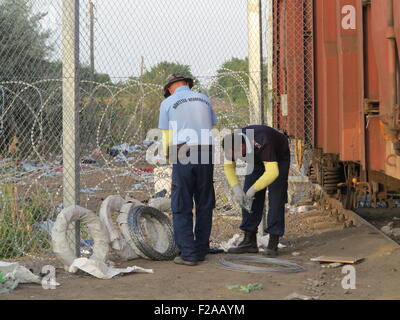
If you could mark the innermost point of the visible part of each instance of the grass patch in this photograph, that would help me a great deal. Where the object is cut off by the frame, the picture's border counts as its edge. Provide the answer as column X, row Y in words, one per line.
column 18, row 233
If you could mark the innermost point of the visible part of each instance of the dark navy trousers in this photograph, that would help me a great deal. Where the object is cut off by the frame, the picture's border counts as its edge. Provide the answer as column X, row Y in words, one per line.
column 277, row 198
column 193, row 182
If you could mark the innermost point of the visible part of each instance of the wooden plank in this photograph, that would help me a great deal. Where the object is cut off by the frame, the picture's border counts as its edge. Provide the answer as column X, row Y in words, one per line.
column 346, row 260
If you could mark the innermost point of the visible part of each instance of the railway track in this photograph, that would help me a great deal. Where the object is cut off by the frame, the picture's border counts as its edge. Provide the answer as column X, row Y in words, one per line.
column 331, row 216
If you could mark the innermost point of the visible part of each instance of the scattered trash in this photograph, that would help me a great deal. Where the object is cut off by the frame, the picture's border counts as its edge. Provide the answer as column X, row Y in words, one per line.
column 96, row 152
column 9, row 283
column 305, row 209
column 148, row 143
column 263, row 242
column 396, row 232
column 45, row 225
column 296, row 296
column 345, row 260
column 12, row 274
column 295, row 254
column 160, row 194
column 7, row 267
column 88, row 160
column 147, row 170
column 30, row 166
column 138, row 186
column 123, row 149
column 232, row 242
column 48, row 174
column 332, row 265
column 59, row 208
column 90, row 190
column 248, row 288
column 101, row 270
column 86, row 247
column 123, row 158
column 390, row 230
column 5, row 160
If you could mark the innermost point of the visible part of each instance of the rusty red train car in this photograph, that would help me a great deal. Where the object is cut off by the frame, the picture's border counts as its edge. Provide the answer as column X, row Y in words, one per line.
column 337, row 82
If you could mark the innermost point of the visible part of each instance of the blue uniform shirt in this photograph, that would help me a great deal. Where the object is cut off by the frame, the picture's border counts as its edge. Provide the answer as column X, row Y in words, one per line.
column 189, row 115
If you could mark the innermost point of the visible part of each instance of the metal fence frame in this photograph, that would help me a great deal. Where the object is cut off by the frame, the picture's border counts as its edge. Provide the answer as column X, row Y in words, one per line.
column 71, row 80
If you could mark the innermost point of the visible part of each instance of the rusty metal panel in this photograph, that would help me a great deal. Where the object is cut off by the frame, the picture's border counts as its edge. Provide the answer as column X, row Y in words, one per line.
column 351, row 58
column 379, row 13
column 379, row 25
column 327, row 76
column 396, row 10
column 375, row 145
column 350, row 78
column 293, row 78
column 371, row 81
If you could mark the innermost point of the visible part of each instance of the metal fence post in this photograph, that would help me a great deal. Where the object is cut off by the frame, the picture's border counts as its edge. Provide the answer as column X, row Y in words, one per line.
column 255, row 61
column 70, row 76
column 269, row 38
column 256, row 102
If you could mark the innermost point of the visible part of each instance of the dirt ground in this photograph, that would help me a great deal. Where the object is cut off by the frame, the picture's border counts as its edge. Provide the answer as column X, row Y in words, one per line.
column 377, row 276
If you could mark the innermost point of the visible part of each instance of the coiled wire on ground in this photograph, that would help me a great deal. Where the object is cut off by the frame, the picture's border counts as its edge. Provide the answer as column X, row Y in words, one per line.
column 138, row 234
column 288, row 267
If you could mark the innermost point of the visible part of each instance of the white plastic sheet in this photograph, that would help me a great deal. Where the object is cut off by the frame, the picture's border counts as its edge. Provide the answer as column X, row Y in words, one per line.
column 15, row 274
column 101, row 270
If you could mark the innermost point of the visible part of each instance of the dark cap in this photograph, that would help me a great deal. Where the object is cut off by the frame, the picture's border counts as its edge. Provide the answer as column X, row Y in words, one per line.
column 176, row 77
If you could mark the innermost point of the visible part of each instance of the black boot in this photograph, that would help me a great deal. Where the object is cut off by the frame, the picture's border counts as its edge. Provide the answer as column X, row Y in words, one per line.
column 272, row 249
column 248, row 245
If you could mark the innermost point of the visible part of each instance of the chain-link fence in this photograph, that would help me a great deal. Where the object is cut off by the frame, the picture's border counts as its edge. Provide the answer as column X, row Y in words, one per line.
column 293, row 73
column 80, row 86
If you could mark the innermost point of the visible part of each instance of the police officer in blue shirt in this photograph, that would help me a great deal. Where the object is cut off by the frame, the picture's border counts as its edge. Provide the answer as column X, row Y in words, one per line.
column 186, row 120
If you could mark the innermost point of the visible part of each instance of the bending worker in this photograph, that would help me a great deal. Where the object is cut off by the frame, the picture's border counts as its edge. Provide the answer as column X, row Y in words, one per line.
column 186, row 120
column 269, row 150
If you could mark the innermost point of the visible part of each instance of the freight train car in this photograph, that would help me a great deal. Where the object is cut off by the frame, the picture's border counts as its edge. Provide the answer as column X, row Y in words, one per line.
column 337, row 82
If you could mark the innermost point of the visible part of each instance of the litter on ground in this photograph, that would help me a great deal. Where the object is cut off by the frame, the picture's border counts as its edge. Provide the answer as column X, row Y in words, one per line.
column 12, row 274
column 101, row 270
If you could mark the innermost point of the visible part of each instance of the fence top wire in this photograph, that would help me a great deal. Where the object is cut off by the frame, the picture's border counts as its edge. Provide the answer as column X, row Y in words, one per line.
column 126, row 50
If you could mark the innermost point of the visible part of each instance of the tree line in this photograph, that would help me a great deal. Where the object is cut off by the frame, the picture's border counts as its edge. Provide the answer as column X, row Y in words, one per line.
column 27, row 58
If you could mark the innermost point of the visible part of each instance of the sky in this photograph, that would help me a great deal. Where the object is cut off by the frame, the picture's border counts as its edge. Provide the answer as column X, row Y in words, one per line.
column 200, row 33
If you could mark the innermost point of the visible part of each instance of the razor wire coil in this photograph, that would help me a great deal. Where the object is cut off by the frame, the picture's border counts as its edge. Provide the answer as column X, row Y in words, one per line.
column 141, row 240
column 286, row 266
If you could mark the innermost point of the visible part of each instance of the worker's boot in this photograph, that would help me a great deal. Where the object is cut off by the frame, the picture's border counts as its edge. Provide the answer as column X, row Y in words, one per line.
column 248, row 245
column 272, row 248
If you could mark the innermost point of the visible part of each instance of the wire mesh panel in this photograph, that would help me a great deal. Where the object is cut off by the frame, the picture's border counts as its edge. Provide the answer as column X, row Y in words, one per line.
column 293, row 66
column 80, row 88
